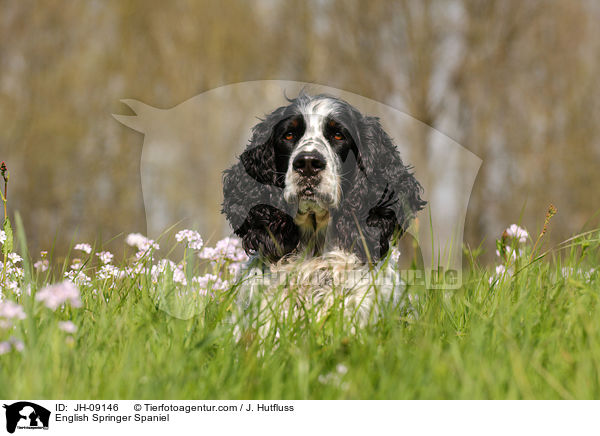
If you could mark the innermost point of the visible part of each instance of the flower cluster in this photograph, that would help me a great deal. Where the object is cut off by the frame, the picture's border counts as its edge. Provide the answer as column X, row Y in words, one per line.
column 164, row 265
column 142, row 243
column 56, row 295
column 211, row 281
column 105, row 257
column 516, row 232
column 12, row 344
column 510, row 245
column 189, row 276
column 226, row 249
column 10, row 311
column 41, row 265
column 67, row 326
column 83, row 247
column 14, row 274
column 510, row 248
column 192, row 239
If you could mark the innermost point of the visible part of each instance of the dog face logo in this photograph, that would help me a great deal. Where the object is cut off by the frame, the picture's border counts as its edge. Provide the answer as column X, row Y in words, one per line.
column 26, row 415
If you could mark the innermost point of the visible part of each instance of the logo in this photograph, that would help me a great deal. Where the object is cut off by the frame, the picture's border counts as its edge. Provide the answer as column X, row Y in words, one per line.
column 26, row 415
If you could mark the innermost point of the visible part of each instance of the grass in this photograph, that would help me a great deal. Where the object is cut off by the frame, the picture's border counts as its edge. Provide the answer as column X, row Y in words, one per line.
column 531, row 335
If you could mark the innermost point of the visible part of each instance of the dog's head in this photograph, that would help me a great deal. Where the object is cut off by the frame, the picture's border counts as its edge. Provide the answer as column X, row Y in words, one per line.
column 328, row 177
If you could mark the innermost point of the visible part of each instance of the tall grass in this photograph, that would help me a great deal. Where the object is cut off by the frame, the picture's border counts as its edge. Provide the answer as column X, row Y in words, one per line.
column 530, row 332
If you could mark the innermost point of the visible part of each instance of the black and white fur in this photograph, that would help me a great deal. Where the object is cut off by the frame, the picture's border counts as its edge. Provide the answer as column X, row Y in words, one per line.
column 318, row 176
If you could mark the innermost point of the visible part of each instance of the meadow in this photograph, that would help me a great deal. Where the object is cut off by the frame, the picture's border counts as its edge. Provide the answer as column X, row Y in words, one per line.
column 145, row 327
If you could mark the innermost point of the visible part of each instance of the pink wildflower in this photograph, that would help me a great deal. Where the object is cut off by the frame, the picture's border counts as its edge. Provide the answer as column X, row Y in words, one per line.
column 83, row 247
column 191, row 238
column 58, row 294
column 10, row 310
column 67, row 326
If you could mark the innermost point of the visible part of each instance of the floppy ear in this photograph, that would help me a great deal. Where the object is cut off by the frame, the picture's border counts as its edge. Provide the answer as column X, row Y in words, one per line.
column 385, row 196
column 258, row 160
column 400, row 192
column 253, row 196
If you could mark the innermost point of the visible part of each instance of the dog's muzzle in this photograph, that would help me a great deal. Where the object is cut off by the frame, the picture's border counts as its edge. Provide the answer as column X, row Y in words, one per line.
column 308, row 166
column 309, row 163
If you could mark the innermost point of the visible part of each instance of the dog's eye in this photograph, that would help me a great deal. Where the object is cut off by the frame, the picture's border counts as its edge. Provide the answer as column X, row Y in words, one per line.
column 338, row 136
column 289, row 136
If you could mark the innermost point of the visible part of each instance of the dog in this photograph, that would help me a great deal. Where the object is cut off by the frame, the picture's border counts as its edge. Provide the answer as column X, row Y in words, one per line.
column 320, row 183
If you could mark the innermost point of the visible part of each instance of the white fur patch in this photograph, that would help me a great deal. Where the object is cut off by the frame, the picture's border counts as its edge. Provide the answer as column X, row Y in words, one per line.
column 292, row 286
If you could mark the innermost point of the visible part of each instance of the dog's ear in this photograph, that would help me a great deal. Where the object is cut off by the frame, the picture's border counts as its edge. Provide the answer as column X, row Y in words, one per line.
column 392, row 184
column 259, row 157
column 253, row 196
column 384, row 198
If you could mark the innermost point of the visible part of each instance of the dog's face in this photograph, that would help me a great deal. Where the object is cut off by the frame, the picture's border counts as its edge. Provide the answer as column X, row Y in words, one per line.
column 328, row 177
column 311, row 155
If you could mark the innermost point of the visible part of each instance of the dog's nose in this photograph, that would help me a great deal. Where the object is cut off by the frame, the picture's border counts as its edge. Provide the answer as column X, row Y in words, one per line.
column 309, row 163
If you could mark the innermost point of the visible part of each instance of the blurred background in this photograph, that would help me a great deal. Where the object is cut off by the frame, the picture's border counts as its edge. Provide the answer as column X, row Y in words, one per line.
column 515, row 82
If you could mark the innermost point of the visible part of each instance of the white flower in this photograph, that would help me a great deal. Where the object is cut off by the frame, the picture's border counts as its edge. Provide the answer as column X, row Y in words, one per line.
column 108, row 271
column 137, row 269
column 56, row 295
column 105, row 257
column 14, row 258
column 141, row 242
column 41, row 265
column 235, row 268
column 341, row 368
column 10, row 310
column 78, row 278
column 17, row 344
column 210, row 280
column 514, row 231
column 192, row 238
column 160, row 268
column 84, row 247
column 204, row 280
column 510, row 253
column 225, row 249
column 220, row 284
column 11, row 285
column 67, row 326
column 179, row 276
column 76, row 264
column 2, row 237
column 501, row 273
column 17, row 272
column 4, row 347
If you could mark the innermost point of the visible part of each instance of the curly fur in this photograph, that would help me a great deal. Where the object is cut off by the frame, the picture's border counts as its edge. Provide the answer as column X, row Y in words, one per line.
column 379, row 195
column 336, row 278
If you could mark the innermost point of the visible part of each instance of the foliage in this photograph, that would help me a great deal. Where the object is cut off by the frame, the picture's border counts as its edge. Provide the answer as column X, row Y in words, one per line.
column 531, row 333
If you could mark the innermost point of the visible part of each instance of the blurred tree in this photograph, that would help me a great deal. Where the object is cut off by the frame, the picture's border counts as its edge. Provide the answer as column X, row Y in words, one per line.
column 513, row 81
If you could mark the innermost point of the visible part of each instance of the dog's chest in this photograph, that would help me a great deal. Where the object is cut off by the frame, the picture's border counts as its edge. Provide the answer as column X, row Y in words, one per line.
column 313, row 228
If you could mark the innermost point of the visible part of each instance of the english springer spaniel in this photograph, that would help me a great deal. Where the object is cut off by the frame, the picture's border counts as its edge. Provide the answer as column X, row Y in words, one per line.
column 316, row 197
column 317, row 177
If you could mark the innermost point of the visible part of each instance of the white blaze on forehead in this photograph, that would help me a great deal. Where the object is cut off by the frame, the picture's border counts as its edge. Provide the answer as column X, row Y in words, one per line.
column 315, row 113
